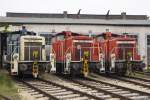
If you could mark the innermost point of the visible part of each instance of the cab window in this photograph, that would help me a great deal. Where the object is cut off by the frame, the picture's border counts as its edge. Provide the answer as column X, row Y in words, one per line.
column 100, row 38
column 60, row 37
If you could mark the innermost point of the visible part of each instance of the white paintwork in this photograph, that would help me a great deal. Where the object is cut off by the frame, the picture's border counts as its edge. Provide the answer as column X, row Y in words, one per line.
column 83, row 41
column 52, row 62
column 68, row 60
column 101, row 58
column 14, row 64
column 112, row 61
column 125, row 42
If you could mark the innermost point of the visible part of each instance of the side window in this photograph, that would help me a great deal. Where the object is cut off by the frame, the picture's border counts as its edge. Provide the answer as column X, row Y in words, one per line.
column 100, row 38
column 47, row 35
column 60, row 37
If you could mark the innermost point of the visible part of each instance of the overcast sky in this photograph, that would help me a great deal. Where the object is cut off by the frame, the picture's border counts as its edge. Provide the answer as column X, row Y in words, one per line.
column 88, row 6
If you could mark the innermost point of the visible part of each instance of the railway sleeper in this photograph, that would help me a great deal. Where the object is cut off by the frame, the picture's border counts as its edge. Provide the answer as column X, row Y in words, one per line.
column 43, row 98
column 70, row 96
column 62, row 93
column 39, row 96
column 79, row 98
column 58, row 91
column 140, row 98
column 51, row 89
column 121, row 92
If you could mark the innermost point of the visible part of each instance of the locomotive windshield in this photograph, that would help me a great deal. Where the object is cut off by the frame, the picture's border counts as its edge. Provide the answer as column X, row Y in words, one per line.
column 81, row 47
column 31, row 48
column 125, row 50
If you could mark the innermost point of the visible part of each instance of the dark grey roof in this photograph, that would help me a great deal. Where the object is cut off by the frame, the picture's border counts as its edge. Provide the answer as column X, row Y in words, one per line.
column 79, row 16
column 18, row 20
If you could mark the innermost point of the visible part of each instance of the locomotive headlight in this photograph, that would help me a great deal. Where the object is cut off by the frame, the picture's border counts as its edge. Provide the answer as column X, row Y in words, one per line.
column 113, row 56
column 68, row 56
column 52, row 56
column 78, row 47
column 100, row 56
column 16, row 56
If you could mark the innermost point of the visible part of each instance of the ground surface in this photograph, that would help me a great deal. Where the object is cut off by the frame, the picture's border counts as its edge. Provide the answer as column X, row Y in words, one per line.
column 7, row 86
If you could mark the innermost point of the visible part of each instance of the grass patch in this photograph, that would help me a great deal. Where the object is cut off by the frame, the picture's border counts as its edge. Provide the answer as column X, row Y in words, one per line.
column 7, row 86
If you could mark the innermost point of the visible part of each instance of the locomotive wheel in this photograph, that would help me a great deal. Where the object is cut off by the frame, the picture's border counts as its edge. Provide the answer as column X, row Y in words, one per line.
column 20, row 75
column 72, row 73
column 107, row 71
column 120, row 69
column 72, row 70
column 58, row 68
column 48, row 68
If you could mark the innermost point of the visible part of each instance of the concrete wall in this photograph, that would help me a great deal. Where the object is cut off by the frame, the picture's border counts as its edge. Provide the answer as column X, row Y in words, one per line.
column 141, row 31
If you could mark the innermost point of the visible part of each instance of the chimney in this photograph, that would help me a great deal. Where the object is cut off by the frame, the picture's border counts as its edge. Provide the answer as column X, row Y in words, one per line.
column 123, row 14
column 65, row 14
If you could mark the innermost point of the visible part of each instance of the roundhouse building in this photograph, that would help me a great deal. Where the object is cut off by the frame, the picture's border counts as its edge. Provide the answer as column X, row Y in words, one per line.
column 137, row 25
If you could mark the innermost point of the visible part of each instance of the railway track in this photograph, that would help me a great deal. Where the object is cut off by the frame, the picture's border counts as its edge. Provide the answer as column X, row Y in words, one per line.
column 47, row 90
column 118, row 90
column 135, row 80
column 80, row 89
column 132, row 82
column 113, row 90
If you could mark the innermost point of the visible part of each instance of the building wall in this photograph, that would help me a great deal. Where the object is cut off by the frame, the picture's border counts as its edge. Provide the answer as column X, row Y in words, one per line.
column 141, row 31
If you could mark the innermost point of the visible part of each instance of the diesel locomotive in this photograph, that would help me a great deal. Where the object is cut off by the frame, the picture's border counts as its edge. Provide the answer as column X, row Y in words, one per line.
column 76, row 54
column 120, row 53
column 26, row 54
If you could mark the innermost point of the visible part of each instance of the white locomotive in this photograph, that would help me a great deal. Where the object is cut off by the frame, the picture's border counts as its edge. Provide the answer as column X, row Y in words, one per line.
column 27, row 55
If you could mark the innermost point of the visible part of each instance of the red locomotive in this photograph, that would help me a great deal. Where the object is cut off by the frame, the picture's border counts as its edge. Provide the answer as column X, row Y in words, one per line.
column 120, row 52
column 75, row 54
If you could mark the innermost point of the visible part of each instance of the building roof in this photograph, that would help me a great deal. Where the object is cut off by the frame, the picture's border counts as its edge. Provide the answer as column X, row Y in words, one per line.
column 78, row 15
column 71, row 21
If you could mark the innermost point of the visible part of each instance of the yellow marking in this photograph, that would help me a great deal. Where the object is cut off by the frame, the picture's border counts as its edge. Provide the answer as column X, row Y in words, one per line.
column 86, row 53
column 35, row 54
column 35, row 63
column 85, row 69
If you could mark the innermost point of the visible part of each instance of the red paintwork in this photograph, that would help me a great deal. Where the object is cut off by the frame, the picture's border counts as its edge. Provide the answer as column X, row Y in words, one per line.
column 61, row 47
column 109, row 46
